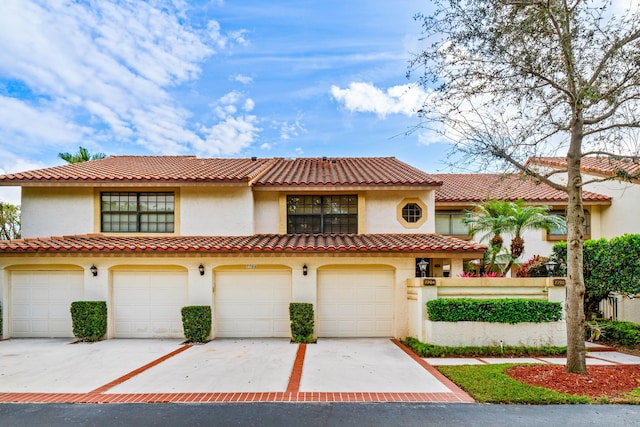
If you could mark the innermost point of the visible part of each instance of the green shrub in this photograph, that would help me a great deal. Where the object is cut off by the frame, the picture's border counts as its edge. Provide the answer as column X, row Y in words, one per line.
column 608, row 266
column 432, row 350
column 301, row 316
column 196, row 322
column 495, row 310
column 618, row 332
column 89, row 319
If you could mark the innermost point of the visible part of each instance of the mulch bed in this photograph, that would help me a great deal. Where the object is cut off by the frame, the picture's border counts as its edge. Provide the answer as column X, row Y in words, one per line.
column 601, row 381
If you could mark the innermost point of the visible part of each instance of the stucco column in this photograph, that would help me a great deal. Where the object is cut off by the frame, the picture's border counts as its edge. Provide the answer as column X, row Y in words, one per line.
column 456, row 267
column 199, row 286
column 96, row 288
column 304, row 288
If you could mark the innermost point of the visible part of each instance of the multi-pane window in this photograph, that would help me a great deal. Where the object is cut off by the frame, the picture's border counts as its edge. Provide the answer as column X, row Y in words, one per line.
column 451, row 223
column 411, row 212
column 322, row 214
column 137, row 212
column 561, row 232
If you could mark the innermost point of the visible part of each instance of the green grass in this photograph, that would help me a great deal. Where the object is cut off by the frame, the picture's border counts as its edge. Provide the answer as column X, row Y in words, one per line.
column 489, row 384
column 430, row 350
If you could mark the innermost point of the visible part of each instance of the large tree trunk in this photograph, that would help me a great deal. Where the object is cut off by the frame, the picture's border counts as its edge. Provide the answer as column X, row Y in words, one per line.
column 576, row 361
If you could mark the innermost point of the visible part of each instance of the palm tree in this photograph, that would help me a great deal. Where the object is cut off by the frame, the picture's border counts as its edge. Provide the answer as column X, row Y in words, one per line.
column 525, row 217
column 81, row 156
column 491, row 217
column 496, row 217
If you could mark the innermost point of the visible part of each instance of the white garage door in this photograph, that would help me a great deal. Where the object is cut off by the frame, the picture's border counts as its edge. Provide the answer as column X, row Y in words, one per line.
column 147, row 304
column 41, row 302
column 355, row 303
column 253, row 304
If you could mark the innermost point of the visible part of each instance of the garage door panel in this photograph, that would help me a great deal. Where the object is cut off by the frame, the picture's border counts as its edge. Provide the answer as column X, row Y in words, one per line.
column 148, row 304
column 41, row 302
column 252, row 304
column 355, row 303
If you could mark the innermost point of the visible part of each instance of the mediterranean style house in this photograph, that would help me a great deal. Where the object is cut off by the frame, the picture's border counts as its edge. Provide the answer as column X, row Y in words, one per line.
column 150, row 235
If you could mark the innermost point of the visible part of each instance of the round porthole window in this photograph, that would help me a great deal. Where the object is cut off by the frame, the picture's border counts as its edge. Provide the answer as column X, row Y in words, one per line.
column 411, row 212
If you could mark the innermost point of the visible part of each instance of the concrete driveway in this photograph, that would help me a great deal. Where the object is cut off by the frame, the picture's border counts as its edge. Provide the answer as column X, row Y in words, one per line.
column 221, row 370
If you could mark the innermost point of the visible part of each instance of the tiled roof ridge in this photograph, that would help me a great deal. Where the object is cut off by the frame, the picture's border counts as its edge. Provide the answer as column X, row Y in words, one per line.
column 476, row 187
column 596, row 164
column 272, row 243
column 316, row 171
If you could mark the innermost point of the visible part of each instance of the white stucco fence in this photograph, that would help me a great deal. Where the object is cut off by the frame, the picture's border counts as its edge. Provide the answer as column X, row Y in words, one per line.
column 458, row 334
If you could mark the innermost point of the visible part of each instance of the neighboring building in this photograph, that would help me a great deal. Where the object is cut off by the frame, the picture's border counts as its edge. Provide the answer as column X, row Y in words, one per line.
column 620, row 180
column 459, row 192
column 150, row 235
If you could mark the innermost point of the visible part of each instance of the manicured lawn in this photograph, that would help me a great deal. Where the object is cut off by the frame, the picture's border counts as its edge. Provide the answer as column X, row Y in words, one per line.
column 489, row 384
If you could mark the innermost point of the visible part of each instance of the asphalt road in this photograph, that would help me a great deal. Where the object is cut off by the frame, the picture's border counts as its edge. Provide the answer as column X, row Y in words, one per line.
column 317, row 414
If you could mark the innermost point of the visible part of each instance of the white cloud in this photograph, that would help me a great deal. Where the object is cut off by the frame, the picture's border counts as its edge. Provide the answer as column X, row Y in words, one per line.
column 235, row 130
column 23, row 122
column 245, row 80
column 114, row 61
column 291, row 130
column 367, row 98
column 266, row 146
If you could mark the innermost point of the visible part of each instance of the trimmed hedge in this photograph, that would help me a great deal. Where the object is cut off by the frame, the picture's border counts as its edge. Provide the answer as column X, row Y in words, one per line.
column 196, row 322
column 496, row 310
column 432, row 350
column 301, row 316
column 89, row 319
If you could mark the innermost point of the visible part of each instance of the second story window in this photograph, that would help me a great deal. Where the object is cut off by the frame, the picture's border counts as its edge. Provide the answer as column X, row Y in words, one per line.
column 451, row 223
column 322, row 214
column 127, row 212
column 561, row 233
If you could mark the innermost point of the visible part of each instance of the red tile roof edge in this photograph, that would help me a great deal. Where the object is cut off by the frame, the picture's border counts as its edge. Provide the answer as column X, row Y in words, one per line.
column 260, row 243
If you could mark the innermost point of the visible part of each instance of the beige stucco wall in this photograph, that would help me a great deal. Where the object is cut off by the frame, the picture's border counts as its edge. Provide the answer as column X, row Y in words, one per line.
column 622, row 216
column 56, row 211
column 266, row 212
column 200, row 288
column 382, row 206
column 220, row 211
column 477, row 333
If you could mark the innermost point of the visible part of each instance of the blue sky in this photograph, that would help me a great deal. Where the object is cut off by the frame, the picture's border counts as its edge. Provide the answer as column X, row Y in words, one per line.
column 211, row 78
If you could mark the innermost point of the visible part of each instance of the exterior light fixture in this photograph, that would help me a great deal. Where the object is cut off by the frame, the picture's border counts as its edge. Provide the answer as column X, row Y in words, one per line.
column 94, row 270
column 422, row 265
column 201, row 269
column 305, row 270
column 550, row 266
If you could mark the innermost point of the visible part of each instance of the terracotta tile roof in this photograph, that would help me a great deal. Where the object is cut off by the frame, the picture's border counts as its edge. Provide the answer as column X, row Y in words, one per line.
column 474, row 188
column 260, row 243
column 600, row 166
column 344, row 171
column 147, row 168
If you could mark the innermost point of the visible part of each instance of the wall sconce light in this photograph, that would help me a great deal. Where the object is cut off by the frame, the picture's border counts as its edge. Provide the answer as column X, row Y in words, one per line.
column 551, row 267
column 422, row 265
column 305, row 270
column 201, row 269
column 94, row 270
